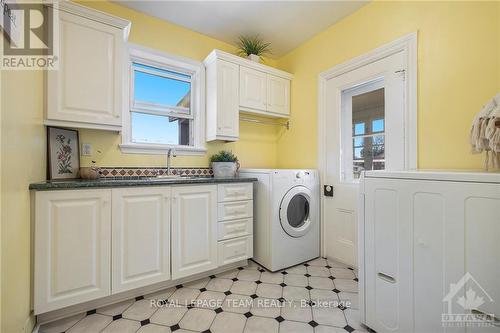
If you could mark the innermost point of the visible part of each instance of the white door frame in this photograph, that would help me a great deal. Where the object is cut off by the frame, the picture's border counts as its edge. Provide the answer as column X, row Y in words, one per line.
column 407, row 44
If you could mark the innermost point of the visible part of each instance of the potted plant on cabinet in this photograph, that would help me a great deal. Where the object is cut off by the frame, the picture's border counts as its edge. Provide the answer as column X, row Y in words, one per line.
column 252, row 47
column 224, row 164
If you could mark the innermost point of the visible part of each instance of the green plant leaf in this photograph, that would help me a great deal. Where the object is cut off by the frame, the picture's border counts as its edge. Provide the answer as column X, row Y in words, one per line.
column 252, row 45
column 224, row 156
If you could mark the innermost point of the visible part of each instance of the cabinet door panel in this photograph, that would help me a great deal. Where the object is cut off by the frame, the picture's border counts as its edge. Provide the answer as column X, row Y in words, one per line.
column 194, row 230
column 72, row 247
column 387, row 257
column 253, row 89
column 227, row 99
column 88, row 86
column 141, row 237
column 482, row 248
column 278, row 95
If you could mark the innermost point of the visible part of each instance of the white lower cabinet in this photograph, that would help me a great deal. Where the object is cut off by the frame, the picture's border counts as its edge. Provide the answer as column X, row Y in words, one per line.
column 428, row 243
column 90, row 244
column 72, row 248
column 141, row 237
column 194, row 229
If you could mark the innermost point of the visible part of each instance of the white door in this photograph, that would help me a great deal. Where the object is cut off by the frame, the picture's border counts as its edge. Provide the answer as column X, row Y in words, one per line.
column 194, row 230
column 278, row 95
column 253, row 89
column 141, row 237
column 88, row 86
column 227, row 91
column 365, row 129
column 72, row 248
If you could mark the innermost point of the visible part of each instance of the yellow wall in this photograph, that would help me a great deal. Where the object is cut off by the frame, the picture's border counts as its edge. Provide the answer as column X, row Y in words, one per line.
column 22, row 162
column 257, row 144
column 458, row 71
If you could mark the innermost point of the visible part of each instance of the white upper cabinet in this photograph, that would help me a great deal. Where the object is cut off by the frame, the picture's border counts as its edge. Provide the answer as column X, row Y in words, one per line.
column 253, row 91
column 194, row 230
column 278, row 95
column 222, row 100
column 72, row 247
column 235, row 85
column 88, row 90
column 141, row 237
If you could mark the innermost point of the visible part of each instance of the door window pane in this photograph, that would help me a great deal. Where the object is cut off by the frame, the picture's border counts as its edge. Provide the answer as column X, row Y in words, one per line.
column 368, row 126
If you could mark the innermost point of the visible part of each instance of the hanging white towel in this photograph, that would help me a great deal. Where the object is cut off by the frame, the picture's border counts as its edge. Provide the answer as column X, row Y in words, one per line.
column 492, row 133
column 478, row 139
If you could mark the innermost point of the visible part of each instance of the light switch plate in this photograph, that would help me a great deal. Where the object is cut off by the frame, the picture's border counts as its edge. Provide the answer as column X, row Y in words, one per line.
column 86, row 149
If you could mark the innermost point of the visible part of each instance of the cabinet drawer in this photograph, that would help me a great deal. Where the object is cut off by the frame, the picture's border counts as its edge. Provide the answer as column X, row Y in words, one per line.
column 235, row 210
column 236, row 228
column 235, row 192
column 235, row 250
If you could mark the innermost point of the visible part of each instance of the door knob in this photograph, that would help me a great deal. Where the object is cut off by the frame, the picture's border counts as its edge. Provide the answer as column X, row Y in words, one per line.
column 328, row 190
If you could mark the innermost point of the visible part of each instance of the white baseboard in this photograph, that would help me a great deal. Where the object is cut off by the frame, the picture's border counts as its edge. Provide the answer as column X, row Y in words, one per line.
column 91, row 305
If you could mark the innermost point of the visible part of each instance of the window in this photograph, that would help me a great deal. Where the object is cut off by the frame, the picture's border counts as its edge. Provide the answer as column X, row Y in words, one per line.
column 166, row 104
column 363, row 135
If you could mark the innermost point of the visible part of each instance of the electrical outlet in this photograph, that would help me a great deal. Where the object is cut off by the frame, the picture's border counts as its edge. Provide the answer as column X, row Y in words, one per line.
column 86, row 149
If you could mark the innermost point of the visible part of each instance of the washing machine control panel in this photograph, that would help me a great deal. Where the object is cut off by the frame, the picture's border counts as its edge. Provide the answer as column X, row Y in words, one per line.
column 301, row 174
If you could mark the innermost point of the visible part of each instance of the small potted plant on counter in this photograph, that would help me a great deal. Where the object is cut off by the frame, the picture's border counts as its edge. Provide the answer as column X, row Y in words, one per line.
column 224, row 164
column 252, row 47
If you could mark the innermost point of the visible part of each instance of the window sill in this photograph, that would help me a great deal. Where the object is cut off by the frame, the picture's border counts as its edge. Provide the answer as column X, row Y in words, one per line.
column 134, row 148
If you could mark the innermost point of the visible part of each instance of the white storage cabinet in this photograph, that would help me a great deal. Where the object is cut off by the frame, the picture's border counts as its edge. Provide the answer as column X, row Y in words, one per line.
column 420, row 232
column 89, row 89
column 235, row 85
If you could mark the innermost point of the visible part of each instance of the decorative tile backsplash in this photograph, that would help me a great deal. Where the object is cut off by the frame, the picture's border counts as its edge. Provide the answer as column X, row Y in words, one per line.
column 137, row 172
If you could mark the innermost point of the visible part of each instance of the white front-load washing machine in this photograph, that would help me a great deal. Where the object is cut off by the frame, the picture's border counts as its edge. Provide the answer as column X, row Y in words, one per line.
column 286, row 216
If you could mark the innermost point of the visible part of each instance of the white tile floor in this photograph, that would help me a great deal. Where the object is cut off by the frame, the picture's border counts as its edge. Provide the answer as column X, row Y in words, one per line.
column 301, row 299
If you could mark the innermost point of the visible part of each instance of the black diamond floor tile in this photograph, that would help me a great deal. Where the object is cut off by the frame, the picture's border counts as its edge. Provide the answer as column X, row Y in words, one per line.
column 349, row 328
column 248, row 314
column 313, row 323
column 175, row 327
column 144, row 322
column 279, row 319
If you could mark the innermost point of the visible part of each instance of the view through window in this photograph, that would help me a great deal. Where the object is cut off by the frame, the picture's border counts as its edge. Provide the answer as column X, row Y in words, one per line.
column 368, row 132
column 161, row 108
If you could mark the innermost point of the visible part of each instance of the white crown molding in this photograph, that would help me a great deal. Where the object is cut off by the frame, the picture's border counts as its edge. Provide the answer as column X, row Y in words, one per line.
column 218, row 54
column 93, row 14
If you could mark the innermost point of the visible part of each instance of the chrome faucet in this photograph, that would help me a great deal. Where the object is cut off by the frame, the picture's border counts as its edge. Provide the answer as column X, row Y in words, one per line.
column 170, row 153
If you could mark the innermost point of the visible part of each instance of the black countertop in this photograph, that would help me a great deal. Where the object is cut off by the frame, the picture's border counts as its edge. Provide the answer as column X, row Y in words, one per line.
column 129, row 182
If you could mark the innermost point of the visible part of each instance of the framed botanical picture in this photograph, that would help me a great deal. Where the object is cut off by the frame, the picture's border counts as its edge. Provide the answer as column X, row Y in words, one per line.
column 63, row 153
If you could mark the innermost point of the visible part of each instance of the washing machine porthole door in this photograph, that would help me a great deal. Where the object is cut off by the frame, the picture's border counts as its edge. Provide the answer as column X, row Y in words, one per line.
column 295, row 211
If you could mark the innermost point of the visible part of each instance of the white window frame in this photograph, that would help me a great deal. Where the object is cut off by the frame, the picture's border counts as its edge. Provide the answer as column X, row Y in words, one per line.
column 158, row 59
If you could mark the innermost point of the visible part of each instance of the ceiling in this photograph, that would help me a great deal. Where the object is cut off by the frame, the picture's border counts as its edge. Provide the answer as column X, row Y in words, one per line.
column 285, row 24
